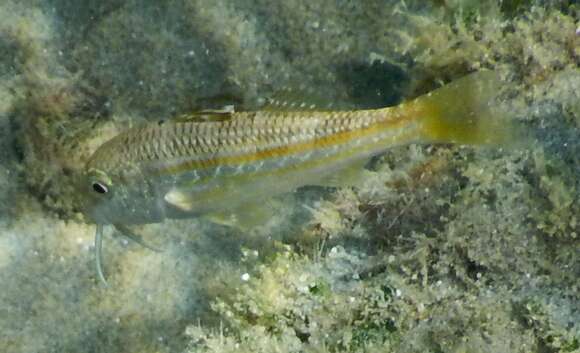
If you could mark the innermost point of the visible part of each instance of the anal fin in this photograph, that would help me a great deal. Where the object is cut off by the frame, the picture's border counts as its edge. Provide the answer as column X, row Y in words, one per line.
column 351, row 175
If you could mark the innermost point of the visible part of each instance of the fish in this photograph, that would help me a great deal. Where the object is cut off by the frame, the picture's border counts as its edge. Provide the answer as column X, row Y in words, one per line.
column 224, row 162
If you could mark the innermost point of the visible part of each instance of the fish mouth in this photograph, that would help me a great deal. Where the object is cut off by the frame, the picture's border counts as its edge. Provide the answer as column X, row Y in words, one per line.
column 99, row 254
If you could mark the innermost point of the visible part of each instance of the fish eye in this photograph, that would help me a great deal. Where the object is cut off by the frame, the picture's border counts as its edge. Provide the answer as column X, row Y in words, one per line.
column 100, row 188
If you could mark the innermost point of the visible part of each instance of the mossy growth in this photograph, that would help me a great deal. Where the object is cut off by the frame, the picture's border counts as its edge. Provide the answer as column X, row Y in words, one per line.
column 513, row 7
column 461, row 239
column 314, row 305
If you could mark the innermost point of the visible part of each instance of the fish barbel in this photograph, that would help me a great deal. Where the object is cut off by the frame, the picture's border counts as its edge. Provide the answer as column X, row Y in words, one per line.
column 214, row 162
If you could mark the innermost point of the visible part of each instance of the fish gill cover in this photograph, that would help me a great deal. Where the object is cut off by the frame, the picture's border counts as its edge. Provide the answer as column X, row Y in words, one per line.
column 442, row 248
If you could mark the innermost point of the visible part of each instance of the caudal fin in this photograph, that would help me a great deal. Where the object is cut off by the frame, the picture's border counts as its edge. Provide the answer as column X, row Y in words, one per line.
column 463, row 112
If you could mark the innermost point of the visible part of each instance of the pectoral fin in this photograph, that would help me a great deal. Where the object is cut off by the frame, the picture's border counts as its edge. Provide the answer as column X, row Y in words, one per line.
column 243, row 217
column 177, row 198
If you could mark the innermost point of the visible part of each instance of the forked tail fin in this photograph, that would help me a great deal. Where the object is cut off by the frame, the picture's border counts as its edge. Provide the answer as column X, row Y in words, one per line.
column 462, row 112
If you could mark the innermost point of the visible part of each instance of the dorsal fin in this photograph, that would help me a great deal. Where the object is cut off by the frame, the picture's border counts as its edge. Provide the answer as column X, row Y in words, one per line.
column 291, row 99
column 208, row 115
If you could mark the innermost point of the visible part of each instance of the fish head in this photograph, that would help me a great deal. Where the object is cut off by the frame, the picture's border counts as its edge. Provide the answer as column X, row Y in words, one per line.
column 118, row 198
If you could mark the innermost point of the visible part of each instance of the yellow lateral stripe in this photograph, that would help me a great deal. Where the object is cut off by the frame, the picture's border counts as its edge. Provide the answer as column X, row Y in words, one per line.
column 285, row 172
column 282, row 151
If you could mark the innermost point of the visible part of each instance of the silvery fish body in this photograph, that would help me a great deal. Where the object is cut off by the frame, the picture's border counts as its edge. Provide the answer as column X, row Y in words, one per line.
column 216, row 162
column 186, row 168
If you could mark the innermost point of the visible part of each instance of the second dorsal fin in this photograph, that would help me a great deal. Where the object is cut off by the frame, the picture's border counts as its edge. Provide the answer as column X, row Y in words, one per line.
column 208, row 115
column 293, row 99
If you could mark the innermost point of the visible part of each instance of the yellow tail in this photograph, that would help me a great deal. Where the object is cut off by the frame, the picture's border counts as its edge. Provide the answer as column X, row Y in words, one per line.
column 461, row 112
